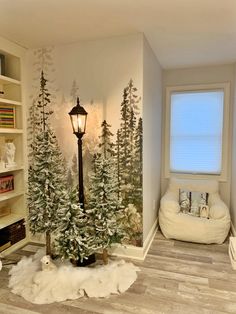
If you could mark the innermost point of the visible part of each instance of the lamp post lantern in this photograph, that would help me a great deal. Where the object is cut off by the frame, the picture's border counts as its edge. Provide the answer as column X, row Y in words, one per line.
column 78, row 116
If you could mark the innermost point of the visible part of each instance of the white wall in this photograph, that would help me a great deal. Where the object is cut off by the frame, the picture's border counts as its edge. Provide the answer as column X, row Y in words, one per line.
column 233, row 173
column 152, row 114
column 202, row 75
column 101, row 69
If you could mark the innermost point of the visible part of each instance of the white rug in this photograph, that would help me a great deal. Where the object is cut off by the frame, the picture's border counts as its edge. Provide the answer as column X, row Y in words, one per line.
column 67, row 282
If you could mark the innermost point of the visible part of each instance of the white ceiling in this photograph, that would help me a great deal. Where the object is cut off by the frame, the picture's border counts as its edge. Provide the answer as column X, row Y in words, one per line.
column 181, row 32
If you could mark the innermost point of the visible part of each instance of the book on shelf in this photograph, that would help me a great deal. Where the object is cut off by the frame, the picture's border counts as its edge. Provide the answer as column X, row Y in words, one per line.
column 7, row 117
column 6, row 183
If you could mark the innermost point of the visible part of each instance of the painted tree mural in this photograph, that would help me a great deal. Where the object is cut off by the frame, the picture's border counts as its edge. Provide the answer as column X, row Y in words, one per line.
column 129, row 149
column 106, row 145
column 116, row 181
column 43, row 62
column 124, row 147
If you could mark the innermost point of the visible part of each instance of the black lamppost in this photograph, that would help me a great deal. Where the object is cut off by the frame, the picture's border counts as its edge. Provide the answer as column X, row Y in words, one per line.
column 78, row 117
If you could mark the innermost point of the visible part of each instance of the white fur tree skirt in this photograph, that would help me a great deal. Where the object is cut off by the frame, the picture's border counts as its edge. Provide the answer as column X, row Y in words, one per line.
column 67, row 282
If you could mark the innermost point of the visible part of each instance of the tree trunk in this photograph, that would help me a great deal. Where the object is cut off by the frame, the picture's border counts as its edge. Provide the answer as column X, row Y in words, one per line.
column 105, row 256
column 48, row 243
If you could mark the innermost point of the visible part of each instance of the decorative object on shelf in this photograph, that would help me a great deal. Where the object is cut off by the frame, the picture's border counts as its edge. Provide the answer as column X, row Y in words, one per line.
column 6, row 183
column 2, row 165
column 2, row 64
column 1, row 93
column 78, row 117
column 204, row 211
column 4, row 211
column 2, row 152
column 10, row 151
column 7, row 117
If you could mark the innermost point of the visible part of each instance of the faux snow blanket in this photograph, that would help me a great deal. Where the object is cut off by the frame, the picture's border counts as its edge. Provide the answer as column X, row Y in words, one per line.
column 66, row 282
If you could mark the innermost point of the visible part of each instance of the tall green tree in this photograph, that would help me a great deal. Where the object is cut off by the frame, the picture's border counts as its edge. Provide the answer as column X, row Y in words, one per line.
column 126, row 167
column 106, row 144
column 138, row 165
column 104, row 205
column 46, row 186
column 73, row 240
column 46, row 183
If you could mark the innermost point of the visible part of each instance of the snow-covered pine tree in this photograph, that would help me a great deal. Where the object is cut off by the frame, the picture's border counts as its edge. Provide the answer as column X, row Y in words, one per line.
column 33, row 127
column 104, row 206
column 46, row 183
column 106, row 143
column 73, row 240
column 46, row 186
column 138, row 165
column 117, row 157
column 129, row 111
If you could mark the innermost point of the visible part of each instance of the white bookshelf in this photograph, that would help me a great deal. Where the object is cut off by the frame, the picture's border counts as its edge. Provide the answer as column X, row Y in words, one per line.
column 11, row 86
column 4, row 101
column 10, row 219
column 5, row 80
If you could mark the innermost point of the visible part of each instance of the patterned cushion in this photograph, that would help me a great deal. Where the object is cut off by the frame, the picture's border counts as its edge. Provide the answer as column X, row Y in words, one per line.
column 190, row 201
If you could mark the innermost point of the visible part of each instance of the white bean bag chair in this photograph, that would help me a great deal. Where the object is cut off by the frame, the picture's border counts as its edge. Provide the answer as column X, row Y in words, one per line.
column 177, row 225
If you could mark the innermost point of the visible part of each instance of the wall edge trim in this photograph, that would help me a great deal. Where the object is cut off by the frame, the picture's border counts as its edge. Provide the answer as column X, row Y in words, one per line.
column 147, row 243
column 134, row 252
column 130, row 251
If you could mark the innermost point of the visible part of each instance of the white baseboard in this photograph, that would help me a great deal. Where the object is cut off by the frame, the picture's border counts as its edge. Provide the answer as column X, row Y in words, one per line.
column 130, row 251
column 148, row 241
column 232, row 229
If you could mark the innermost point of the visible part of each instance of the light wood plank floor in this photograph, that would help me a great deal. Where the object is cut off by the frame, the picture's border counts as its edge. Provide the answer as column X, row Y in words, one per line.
column 176, row 277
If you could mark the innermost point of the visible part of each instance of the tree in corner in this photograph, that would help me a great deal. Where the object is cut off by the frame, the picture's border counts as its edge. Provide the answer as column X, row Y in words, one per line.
column 46, row 185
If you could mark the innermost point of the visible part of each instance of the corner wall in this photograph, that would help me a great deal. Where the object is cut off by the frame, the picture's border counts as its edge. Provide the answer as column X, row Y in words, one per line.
column 202, row 75
column 152, row 121
column 233, row 170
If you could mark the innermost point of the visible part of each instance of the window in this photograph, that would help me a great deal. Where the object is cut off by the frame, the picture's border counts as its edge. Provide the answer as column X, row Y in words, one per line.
column 196, row 129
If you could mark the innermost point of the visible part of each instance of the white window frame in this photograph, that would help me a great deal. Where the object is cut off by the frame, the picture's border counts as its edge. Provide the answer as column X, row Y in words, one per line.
column 225, row 137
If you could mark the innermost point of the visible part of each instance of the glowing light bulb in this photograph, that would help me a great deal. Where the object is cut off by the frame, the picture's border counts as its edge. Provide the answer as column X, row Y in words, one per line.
column 79, row 124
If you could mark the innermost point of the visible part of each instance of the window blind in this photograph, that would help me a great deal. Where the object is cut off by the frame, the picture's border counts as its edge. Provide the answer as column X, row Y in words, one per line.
column 196, row 128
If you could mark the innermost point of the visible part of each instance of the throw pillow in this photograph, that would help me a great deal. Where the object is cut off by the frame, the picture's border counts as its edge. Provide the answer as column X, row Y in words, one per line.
column 190, row 202
column 184, row 201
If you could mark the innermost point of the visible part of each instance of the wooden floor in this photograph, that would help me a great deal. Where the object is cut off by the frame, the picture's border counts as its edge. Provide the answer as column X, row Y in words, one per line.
column 176, row 277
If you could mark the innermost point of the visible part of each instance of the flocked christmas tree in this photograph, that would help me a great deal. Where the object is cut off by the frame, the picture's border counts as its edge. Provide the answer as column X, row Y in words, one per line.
column 46, row 186
column 46, row 178
column 73, row 240
column 104, row 205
